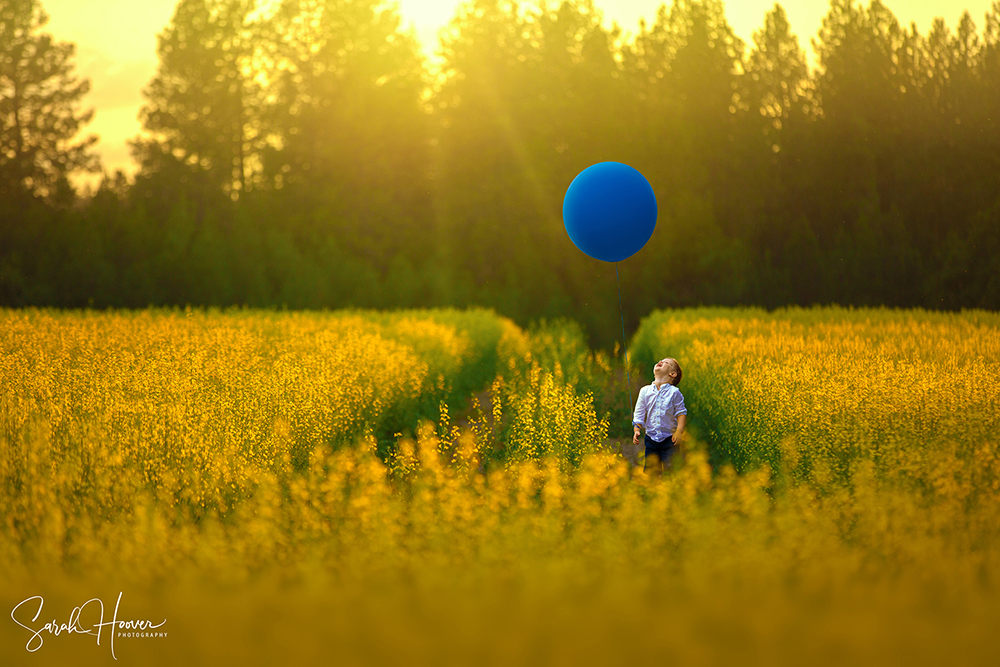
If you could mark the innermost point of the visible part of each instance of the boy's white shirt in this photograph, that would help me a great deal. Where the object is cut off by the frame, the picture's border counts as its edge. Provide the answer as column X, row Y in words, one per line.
column 656, row 410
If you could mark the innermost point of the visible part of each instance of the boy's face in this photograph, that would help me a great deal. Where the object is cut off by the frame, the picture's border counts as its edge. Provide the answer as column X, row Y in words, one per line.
column 662, row 369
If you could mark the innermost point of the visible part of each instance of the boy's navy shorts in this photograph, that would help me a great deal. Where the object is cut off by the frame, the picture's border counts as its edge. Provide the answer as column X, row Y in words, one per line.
column 663, row 450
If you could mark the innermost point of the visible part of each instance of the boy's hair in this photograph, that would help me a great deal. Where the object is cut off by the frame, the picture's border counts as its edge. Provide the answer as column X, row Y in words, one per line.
column 674, row 366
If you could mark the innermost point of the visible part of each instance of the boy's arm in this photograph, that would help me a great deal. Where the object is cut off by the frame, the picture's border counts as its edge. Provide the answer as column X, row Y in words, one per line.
column 681, row 411
column 639, row 416
column 679, row 433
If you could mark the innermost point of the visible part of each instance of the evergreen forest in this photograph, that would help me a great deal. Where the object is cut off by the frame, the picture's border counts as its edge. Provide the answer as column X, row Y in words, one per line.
column 305, row 154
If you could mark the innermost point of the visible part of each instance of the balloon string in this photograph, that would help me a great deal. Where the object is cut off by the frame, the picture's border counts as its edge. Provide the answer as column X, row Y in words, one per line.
column 628, row 385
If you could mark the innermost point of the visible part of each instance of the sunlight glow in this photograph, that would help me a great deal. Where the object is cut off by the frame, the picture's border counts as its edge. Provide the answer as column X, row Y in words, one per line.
column 116, row 43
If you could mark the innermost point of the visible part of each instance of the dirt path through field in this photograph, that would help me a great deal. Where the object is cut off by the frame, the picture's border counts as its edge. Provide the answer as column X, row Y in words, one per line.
column 463, row 420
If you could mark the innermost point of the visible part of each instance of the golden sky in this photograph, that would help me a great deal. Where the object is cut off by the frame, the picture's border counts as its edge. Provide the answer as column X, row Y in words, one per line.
column 116, row 42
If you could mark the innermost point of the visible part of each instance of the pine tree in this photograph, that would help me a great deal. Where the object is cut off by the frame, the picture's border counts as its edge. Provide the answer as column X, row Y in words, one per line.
column 352, row 135
column 777, row 80
column 205, row 106
column 40, row 113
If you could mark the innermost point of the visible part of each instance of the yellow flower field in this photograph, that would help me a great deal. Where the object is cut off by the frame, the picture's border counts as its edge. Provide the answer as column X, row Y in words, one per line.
column 835, row 387
column 314, row 488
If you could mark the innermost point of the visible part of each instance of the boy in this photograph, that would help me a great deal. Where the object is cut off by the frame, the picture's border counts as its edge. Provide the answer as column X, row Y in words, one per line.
column 660, row 410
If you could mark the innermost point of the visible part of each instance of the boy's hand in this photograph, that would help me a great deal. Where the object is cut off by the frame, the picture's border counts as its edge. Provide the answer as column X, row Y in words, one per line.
column 635, row 437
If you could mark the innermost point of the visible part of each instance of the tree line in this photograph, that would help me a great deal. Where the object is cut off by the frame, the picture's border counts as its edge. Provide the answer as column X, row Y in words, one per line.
column 303, row 154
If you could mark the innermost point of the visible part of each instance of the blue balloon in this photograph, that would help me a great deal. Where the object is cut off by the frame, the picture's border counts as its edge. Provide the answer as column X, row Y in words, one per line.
column 609, row 211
